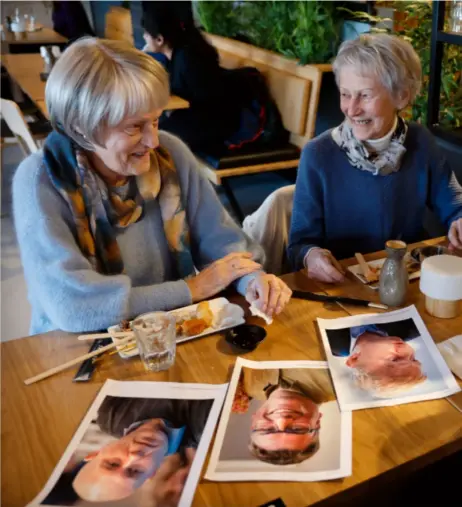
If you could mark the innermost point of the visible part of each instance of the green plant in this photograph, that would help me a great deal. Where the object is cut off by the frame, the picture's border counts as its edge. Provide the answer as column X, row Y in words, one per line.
column 416, row 27
column 304, row 29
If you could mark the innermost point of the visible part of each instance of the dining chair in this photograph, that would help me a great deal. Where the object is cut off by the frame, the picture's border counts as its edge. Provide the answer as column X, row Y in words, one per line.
column 27, row 136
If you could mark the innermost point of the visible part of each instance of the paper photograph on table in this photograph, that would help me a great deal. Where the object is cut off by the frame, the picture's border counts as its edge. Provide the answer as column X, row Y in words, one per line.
column 281, row 422
column 384, row 359
column 141, row 444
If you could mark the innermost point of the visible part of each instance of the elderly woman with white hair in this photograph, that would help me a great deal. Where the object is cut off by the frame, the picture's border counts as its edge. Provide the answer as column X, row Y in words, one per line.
column 113, row 217
column 371, row 178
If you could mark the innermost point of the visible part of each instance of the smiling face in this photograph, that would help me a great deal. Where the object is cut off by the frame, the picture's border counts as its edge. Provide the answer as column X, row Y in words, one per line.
column 366, row 104
column 286, row 421
column 126, row 149
column 122, row 466
column 387, row 358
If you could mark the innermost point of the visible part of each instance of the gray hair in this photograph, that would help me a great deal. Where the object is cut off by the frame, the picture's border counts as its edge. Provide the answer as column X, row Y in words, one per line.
column 97, row 83
column 378, row 388
column 391, row 59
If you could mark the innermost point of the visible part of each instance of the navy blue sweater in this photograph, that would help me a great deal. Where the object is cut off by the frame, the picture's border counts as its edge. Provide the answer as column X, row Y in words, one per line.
column 347, row 210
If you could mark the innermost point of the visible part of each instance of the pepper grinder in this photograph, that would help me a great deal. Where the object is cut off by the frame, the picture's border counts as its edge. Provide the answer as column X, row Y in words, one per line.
column 394, row 279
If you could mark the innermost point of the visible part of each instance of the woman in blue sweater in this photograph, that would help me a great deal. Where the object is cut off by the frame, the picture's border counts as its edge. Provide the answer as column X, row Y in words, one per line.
column 370, row 179
column 113, row 216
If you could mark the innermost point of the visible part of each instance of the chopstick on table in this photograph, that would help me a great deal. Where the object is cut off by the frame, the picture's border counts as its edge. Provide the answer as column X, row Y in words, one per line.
column 97, row 336
column 72, row 362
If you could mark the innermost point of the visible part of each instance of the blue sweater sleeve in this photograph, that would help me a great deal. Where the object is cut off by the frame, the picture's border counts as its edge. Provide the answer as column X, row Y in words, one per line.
column 307, row 225
column 445, row 192
column 214, row 233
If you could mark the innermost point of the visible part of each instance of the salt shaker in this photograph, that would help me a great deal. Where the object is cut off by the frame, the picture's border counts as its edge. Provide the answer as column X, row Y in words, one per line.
column 394, row 279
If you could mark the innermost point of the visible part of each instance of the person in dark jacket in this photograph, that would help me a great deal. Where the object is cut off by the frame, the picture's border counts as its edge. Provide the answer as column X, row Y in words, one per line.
column 70, row 20
column 195, row 75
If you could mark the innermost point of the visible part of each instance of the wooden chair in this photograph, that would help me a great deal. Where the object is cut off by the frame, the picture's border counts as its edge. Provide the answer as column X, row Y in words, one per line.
column 295, row 89
column 118, row 25
column 27, row 136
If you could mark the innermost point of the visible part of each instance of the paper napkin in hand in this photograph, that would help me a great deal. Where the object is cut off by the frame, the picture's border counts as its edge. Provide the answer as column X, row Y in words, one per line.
column 256, row 312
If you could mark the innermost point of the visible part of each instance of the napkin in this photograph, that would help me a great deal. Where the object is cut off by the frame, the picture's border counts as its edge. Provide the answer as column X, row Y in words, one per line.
column 258, row 313
column 451, row 350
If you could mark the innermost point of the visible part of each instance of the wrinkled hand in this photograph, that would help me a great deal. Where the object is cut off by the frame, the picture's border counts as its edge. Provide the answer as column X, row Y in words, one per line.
column 455, row 235
column 269, row 293
column 166, row 486
column 321, row 265
column 220, row 274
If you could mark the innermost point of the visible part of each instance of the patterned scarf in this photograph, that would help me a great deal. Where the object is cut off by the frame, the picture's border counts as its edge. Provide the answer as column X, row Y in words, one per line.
column 384, row 162
column 99, row 211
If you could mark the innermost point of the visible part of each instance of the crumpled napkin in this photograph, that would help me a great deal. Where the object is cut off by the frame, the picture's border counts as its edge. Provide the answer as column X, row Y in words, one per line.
column 256, row 312
column 451, row 350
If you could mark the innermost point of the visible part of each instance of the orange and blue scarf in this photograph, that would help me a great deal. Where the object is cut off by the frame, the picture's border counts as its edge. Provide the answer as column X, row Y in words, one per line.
column 99, row 210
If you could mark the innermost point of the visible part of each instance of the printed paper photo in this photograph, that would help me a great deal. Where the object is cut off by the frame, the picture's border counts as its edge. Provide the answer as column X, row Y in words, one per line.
column 140, row 444
column 281, row 421
column 386, row 359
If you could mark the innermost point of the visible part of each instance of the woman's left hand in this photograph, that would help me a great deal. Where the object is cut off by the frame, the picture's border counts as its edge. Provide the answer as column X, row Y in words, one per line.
column 455, row 235
column 269, row 293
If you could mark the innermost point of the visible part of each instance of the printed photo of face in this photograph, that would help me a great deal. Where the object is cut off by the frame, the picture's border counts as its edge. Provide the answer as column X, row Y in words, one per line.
column 387, row 360
column 288, row 422
column 119, row 468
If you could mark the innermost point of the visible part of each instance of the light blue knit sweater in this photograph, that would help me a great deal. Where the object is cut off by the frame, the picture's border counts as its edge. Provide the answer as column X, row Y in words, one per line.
column 66, row 293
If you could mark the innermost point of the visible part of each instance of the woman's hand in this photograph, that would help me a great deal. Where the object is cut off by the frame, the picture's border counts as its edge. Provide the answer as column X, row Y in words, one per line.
column 269, row 293
column 455, row 235
column 220, row 274
column 321, row 265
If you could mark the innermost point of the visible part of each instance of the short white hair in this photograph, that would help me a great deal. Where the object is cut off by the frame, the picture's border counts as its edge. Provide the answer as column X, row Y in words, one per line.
column 391, row 59
column 378, row 388
column 97, row 83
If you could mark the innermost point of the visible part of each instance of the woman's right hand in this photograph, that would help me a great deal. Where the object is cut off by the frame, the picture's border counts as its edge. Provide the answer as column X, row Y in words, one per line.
column 221, row 273
column 321, row 265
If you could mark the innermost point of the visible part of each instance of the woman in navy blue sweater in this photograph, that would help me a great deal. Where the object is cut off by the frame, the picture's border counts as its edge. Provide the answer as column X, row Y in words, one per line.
column 370, row 179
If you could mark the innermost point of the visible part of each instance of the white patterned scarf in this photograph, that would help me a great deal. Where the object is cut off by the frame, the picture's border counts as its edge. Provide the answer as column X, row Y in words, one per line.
column 381, row 163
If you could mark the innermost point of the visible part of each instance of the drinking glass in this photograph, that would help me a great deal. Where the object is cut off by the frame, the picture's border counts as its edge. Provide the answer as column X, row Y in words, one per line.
column 155, row 334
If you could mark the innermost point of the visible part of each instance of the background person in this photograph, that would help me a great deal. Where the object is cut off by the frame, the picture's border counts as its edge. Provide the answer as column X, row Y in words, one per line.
column 285, row 428
column 371, row 178
column 195, row 75
column 382, row 363
column 113, row 217
column 147, row 431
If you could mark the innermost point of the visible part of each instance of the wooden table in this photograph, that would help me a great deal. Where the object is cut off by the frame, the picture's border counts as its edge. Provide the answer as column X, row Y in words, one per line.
column 43, row 36
column 25, row 70
column 38, row 421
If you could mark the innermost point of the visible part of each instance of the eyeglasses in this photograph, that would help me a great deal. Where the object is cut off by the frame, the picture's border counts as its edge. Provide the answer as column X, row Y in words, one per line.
column 291, row 431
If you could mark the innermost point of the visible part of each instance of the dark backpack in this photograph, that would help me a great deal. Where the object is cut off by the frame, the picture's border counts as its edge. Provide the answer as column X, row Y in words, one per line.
column 260, row 121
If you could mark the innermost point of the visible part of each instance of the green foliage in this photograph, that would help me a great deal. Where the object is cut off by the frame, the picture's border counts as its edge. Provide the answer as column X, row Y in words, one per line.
column 417, row 29
column 304, row 29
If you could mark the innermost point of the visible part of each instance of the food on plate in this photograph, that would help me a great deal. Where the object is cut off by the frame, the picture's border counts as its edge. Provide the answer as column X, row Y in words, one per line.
column 374, row 271
column 197, row 323
column 204, row 312
column 193, row 327
column 125, row 325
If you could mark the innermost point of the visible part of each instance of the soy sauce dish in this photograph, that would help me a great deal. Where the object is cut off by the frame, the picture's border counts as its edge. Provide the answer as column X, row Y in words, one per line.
column 245, row 336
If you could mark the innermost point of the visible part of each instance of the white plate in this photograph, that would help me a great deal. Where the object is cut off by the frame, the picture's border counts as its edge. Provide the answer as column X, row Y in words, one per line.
column 356, row 270
column 225, row 316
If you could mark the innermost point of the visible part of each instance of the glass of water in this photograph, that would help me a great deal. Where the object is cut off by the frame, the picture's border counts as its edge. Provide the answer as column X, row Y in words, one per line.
column 155, row 334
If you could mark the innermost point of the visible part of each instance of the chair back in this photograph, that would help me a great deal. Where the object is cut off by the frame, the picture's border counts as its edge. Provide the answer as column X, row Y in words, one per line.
column 17, row 124
column 119, row 25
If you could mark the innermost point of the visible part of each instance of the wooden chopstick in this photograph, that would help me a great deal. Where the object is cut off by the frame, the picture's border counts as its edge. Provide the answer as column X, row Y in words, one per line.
column 367, row 272
column 72, row 362
column 116, row 334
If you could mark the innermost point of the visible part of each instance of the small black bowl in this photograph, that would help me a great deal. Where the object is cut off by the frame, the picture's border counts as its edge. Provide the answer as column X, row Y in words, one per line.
column 245, row 336
column 421, row 253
